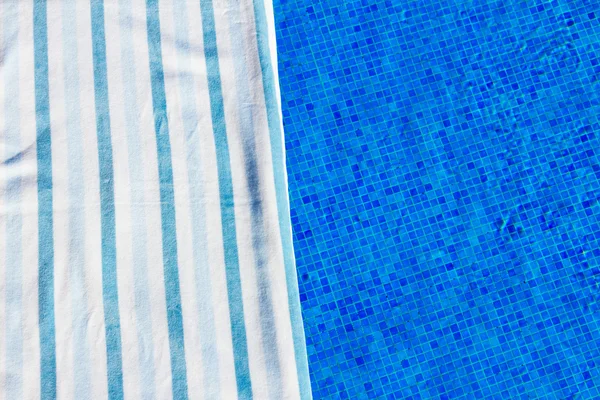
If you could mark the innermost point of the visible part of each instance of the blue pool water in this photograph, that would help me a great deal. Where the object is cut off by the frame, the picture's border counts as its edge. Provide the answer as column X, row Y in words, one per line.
column 445, row 189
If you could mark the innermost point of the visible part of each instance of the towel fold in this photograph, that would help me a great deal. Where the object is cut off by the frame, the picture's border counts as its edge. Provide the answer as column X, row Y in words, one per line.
column 145, row 239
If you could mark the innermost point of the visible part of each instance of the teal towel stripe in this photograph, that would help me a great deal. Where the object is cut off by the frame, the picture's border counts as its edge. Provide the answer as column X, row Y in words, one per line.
column 167, row 201
column 107, row 207
column 45, row 206
column 232, row 265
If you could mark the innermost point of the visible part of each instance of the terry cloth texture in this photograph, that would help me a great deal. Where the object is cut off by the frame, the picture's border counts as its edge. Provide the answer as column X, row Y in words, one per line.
column 145, row 240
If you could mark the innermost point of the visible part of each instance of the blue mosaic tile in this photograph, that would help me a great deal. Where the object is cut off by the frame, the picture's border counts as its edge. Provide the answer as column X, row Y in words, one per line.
column 445, row 189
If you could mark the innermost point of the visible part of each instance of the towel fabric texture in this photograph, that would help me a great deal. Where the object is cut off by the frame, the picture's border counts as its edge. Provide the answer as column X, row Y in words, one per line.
column 145, row 239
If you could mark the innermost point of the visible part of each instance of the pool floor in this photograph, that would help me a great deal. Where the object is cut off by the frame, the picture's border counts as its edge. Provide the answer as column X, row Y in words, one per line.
column 445, row 190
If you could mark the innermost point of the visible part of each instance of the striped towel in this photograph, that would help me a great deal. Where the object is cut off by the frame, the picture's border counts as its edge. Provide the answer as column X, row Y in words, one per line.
column 145, row 240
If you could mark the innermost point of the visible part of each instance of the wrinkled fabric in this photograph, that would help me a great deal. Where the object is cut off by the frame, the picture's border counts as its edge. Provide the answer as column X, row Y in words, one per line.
column 145, row 240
